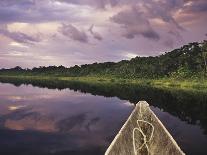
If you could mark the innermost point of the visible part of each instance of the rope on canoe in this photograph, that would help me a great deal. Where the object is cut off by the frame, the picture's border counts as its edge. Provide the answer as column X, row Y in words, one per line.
column 145, row 143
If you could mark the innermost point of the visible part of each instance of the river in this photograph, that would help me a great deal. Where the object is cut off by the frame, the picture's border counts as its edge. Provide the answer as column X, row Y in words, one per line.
column 45, row 119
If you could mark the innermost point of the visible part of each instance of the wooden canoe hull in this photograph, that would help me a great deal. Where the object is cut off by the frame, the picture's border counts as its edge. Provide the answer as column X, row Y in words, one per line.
column 143, row 133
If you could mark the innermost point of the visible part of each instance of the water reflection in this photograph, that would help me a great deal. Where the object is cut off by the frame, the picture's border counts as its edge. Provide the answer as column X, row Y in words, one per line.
column 189, row 137
column 184, row 113
column 62, row 122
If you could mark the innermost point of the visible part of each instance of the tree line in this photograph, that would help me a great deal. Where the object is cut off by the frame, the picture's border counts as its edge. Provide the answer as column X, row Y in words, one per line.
column 188, row 61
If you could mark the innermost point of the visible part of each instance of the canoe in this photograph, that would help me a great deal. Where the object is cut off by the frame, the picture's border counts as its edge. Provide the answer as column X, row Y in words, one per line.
column 143, row 134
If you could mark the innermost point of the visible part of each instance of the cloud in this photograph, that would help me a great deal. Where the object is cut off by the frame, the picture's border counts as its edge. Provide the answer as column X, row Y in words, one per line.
column 163, row 10
column 135, row 23
column 197, row 6
column 72, row 32
column 15, row 2
column 94, row 3
column 96, row 35
column 18, row 45
column 33, row 11
column 19, row 36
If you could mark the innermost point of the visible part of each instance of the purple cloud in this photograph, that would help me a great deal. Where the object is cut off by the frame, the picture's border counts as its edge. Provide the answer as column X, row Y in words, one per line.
column 196, row 6
column 72, row 32
column 19, row 36
column 96, row 35
column 15, row 2
column 135, row 24
column 163, row 10
column 94, row 3
column 34, row 12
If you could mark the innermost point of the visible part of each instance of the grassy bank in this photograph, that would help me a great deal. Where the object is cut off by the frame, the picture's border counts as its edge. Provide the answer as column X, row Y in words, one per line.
column 186, row 84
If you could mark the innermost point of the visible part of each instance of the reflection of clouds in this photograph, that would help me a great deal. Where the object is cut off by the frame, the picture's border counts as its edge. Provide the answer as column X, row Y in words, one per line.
column 37, row 109
column 127, row 104
column 71, row 122
column 29, row 123
column 83, row 119
column 26, row 119
column 91, row 123
column 77, row 122
column 30, row 97
column 25, row 96
column 16, row 107
column 15, row 97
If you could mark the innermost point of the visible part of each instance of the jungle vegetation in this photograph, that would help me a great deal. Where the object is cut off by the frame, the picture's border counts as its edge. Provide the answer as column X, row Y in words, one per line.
column 189, row 61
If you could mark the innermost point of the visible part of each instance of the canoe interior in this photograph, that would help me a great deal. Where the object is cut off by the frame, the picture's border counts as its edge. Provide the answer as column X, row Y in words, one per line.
column 143, row 133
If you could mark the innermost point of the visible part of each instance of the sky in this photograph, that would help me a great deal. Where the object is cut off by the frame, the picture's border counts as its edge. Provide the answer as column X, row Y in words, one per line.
column 74, row 32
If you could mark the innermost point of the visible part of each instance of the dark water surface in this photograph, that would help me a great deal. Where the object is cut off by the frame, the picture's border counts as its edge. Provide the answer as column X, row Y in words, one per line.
column 76, row 118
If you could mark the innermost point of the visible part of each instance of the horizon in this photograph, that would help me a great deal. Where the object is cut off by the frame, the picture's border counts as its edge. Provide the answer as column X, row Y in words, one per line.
column 51, row 65
column 66, row 32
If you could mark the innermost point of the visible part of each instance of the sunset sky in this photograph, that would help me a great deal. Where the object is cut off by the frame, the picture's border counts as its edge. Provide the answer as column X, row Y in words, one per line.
column 69, row 32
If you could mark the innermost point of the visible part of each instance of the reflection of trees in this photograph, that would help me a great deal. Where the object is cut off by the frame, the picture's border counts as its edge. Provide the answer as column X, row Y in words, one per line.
column 69, row 123
column 189, row 106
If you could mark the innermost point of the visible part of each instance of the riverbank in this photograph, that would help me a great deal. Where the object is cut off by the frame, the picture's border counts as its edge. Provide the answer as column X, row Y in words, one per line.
column 183, row 84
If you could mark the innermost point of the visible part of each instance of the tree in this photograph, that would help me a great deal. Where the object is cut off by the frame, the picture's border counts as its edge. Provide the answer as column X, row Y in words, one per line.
column 204, row 55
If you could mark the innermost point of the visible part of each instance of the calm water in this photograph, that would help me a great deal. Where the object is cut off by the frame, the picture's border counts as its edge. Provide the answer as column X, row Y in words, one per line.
column 35, row 120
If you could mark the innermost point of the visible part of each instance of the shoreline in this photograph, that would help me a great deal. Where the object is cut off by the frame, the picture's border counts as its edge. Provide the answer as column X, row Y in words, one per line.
column 168, row 83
